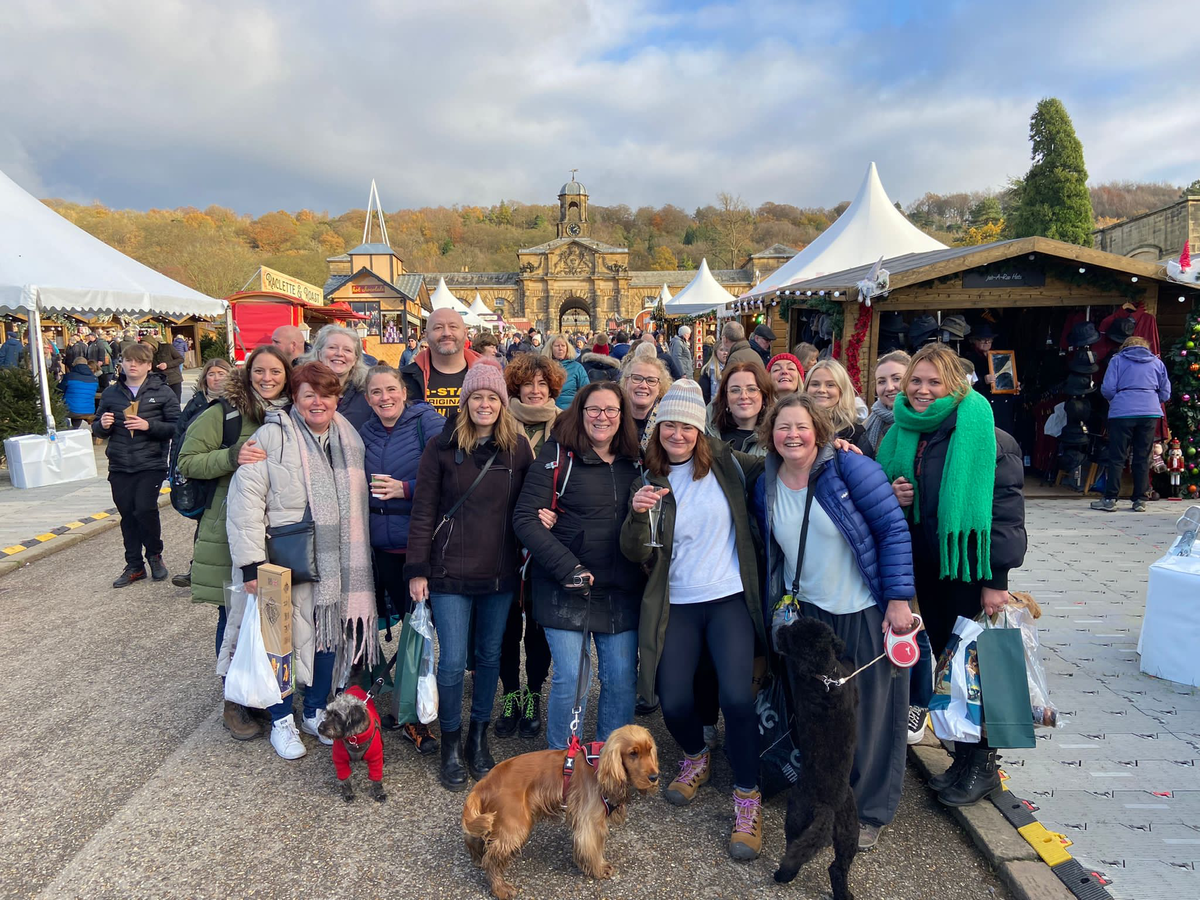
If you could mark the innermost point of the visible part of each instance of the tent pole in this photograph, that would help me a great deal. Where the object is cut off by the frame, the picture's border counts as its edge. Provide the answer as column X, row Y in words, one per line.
column 39, row 362
column 229, row 332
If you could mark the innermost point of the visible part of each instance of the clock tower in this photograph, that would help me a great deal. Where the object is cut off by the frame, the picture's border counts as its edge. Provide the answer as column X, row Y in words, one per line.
column 572, row 209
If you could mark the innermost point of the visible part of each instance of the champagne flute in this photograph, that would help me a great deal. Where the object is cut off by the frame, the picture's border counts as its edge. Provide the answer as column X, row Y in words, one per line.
column 655, row 512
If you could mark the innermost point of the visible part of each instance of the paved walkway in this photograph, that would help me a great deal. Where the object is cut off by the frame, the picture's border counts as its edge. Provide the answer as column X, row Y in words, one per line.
column 1120, row 779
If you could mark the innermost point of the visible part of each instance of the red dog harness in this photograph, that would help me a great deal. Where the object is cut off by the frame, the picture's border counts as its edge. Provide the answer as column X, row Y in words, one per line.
column 591, row 754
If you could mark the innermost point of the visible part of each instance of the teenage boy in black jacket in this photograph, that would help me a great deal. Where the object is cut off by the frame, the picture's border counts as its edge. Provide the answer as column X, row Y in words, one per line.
column 137, row 414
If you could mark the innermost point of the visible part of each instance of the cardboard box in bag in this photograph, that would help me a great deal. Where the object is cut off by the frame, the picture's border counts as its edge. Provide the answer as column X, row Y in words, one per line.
column 275, row 616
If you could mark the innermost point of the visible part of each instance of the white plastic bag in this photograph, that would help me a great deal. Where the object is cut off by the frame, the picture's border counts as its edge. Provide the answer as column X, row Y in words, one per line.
column 1044, row 712
column 956, row 708
column 427, row 692
column 1057, row 421
column 250, row 680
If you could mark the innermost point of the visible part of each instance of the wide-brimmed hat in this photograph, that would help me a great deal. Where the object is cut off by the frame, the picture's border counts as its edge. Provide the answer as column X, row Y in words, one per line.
column 1121, row 329
column 1084, row 362
column 1074, row 434
column 1071, row 457
column 921, row 329
column 955, row 327
column 982, row 330
column 1083, row 334
column 892, row 322
column 1077, row 409
column 1078, row 384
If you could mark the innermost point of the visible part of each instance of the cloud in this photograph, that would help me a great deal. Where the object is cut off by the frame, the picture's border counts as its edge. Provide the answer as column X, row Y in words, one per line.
column 257, row 106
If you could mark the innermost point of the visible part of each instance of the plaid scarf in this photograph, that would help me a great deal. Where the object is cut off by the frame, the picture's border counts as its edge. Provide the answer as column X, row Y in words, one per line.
column 964, row 502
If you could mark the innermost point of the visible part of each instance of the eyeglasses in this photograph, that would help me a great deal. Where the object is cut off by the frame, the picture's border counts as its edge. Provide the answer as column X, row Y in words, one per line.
column 609, row 412
column 651, row 380
column 738, row 391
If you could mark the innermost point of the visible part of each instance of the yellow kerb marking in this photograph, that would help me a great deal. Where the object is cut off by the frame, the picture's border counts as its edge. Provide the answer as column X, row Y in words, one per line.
column 74, row 525
column 14, row 549
column 44, row 537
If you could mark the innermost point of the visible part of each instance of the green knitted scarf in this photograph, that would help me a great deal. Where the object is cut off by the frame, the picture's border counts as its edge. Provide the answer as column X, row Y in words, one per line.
column 964, row 505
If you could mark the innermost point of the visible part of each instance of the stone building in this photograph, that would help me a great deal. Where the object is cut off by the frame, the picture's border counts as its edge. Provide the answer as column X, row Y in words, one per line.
column 575, row 282
column 1156, row 235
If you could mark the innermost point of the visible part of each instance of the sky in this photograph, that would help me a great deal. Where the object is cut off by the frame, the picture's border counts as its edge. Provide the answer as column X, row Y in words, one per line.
column 258, row 105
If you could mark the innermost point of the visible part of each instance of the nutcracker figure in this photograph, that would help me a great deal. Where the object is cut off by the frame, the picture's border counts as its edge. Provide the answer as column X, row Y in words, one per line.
column 1175, row 468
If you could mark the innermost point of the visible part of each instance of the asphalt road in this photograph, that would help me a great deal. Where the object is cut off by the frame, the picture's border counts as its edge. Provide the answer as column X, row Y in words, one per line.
column 118, row 780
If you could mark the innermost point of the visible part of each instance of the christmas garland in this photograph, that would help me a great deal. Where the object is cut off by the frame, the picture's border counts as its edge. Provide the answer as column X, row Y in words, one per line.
column 854, row 346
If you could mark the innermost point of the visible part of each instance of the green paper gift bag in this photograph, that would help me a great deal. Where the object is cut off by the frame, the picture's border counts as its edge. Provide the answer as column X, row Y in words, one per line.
column 1005, row 687
column 408, row 663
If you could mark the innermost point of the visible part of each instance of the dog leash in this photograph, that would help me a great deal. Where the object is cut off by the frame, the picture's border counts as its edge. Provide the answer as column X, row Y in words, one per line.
column 838, row 682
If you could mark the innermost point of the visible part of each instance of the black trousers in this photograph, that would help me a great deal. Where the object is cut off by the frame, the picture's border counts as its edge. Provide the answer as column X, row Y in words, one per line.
column 942, row 601
column 390, row 584
column 537, row 652
column 724, row 628
column 1137, row 433
column 878, row 774
column 178, row 389
column 135, row 495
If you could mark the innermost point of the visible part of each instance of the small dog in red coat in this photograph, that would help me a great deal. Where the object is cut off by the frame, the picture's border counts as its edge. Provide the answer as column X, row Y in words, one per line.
column 353, row 724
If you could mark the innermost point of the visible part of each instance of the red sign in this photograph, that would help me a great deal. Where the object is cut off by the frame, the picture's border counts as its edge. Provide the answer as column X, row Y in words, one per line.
column 368, row 288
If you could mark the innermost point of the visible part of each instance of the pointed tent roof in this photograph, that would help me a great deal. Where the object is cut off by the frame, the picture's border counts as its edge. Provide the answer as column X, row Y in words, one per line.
column 64, row 269
column 703, row 294
column 664, row 296
column 870, row 227
column 441, row 298
column 479, row 309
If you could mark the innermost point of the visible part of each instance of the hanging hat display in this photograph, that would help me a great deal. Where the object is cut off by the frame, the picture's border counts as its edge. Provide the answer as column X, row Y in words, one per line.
column 1121, row 329
column 1083, row 334
column 892, row 322
column 1074, row 434
column 1084, row 362
column 1077, row 384
column 1077, row 409
column 922, row 329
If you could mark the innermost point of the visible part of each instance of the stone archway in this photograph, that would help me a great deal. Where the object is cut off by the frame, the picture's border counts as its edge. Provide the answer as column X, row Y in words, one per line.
column 574, row 315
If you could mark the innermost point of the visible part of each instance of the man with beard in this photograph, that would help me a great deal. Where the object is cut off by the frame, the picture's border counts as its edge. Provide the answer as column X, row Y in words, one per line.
column 436, row 375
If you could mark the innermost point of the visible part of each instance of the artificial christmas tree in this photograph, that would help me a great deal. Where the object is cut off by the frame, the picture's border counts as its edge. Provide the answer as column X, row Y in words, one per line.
column 1183, row 413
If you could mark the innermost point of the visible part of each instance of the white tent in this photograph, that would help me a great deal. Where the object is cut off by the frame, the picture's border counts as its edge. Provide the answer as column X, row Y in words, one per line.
column 664, row 296
column 870, row 228
column 479, row 309
column 703, row 294
column 441, row 298
column 48, row 265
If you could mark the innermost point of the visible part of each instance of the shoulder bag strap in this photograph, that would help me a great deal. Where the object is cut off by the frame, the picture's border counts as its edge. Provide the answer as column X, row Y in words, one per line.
column 467, row 493
column 808, row 501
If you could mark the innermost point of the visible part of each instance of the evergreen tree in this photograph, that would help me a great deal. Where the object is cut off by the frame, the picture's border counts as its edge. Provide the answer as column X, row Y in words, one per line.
column 986, row 212
column 1053, row 198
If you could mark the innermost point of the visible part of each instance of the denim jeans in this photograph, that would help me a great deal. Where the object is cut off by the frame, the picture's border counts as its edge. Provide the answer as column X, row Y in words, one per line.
column 920, row 676
column 451, row 619
column 617, row 655
column 316, row 695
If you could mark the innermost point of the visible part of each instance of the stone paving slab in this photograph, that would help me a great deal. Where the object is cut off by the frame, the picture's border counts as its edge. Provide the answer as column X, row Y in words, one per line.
column 1121, row 778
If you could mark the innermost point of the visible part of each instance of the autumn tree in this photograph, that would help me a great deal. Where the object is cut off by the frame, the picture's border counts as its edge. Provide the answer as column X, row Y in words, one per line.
column 663, row 260
column 1053, row 199
column 272, row 232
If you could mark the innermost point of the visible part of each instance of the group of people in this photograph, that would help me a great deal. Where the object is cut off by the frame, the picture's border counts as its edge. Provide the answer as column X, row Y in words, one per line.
column 545, row 504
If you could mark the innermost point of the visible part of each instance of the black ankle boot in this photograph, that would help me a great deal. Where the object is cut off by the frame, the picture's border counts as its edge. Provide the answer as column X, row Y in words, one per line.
column 961, row 758
column 531, row 715
column 980, row 779
column 510, row 713
column 479, row 758
column 453, row 774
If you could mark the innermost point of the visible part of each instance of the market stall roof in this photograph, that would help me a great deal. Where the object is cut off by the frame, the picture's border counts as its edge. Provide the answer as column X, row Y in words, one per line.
column 48, row 261
column 443, row 299
column 870, row 227
column 479, row 309
column 703, row 294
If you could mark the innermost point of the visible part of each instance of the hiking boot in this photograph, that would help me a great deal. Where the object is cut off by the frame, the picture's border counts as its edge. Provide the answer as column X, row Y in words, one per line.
column 453, row 774
column 238, row 723
column 130, row 575
column 961, row 754
column 1105, row 504
column 693, row 772
column 916, row 723
column 184, row 580
column 158, row 571
column 1139, row 505
column 981, row 778
column 421, row 737
column 868, row 835
column 286, row 739
column 311, row 724
column 746, row 840
column 479, row 757
column 506, row 725
column 531, row 715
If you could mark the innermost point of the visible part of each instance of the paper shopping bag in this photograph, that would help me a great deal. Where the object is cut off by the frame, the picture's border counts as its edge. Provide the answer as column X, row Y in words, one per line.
column 1005, row 687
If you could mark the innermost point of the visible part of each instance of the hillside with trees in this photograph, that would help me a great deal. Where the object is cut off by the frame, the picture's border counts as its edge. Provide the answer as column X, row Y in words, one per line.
column 216, row 250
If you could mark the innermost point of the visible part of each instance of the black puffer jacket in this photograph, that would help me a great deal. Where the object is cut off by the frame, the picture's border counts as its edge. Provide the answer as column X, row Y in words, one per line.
column 138, row 451
column 476, row 551
column 594, row 503
column 1009, row 540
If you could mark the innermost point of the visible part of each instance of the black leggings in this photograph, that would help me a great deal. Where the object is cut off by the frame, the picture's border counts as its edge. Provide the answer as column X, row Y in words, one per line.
column 723, row 626
column 942, row 601
column 537, row 652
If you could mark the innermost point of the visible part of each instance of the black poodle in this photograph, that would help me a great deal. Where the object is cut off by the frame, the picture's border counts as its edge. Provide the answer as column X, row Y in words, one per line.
column 821, row 810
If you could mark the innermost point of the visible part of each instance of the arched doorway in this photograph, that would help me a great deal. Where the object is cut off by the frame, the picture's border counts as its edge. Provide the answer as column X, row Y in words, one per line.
column 574, row 315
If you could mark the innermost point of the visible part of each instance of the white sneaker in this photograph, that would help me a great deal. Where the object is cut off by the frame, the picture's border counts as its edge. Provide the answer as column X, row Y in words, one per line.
column 917, row 716
column 309, row 724
column 286, row 739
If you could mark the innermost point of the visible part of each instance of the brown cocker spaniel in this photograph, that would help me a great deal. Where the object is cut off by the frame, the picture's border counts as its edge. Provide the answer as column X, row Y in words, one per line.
column 501, row 810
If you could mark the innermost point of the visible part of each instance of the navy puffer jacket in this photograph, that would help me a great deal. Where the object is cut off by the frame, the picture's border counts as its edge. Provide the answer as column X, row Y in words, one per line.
column 397, row 453
column 855, row 493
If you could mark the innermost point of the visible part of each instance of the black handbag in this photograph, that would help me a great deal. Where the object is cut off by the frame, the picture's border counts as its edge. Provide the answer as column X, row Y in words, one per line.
column 295, row 547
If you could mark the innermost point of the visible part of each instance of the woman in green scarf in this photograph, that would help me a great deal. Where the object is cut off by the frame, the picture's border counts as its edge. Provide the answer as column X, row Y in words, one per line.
column 960, row 480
